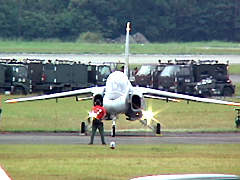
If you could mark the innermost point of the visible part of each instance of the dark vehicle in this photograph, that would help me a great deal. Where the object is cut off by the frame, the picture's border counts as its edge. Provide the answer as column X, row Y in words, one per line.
column 147, row 75
column 14, row 78
column 105, row 69
column 102, row 74
column 114, row 66
column 203, row 78
column 59, row 76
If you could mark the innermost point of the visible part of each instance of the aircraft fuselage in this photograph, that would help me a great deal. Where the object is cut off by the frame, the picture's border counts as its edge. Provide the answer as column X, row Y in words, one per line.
column 117, row 92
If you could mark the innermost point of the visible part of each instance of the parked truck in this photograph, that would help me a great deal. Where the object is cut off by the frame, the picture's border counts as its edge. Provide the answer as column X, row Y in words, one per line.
column 33, row 75
column 60, row 75
column 105, row 69
column 147, row 75
column 14, row 77
column 202, row 78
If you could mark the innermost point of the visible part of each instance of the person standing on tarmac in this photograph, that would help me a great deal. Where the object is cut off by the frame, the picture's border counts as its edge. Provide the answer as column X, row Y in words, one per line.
column 97, row 123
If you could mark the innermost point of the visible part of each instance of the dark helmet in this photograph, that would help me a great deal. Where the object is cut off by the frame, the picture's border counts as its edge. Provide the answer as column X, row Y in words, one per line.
column 97, row 102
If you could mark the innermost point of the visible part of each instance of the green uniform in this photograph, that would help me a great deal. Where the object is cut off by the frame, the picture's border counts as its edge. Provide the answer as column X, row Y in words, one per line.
column 97, row 124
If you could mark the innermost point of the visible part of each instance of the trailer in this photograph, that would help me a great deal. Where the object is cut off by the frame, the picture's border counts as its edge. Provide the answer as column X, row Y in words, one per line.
column 58, row 76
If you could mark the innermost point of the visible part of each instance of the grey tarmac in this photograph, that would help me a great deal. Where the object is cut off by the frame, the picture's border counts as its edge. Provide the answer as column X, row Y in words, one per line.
column 134, row 58
column 122, row 138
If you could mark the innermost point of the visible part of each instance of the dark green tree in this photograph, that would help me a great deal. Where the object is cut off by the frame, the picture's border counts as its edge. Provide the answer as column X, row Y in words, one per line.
column 9, row 21
column 157, row 20
column 34, row 25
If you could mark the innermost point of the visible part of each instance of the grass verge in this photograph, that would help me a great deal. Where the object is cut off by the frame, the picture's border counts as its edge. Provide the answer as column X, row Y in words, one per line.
column 234, row 69
column 213, row 47
column 67, row 114
column 62, row 162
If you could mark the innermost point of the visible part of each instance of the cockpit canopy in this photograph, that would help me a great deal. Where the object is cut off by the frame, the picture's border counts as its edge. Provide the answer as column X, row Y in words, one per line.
column 116, row 85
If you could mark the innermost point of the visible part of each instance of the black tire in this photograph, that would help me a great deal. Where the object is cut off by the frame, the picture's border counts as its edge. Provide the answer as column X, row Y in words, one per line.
column 66, row 88
column 83, row 128
column 227, row 92
column 158, row 130
column 113, row 131
column 188, row 90
column 206, row 94
column 19, row 91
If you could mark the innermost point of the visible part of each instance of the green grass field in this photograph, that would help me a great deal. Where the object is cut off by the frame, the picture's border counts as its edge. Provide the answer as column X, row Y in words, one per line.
column 67, row 114
column 82, row 162
column 234, row 69
column 213, row 47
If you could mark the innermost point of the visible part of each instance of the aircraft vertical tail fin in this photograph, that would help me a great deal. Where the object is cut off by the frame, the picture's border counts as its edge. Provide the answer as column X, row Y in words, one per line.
column 126, row 67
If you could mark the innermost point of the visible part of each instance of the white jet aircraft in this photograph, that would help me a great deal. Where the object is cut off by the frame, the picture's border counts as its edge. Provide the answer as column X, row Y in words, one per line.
column 118, row 96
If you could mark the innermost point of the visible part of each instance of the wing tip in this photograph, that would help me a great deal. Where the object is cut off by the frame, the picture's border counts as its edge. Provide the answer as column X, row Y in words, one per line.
column 11, row 101
column 234, row 104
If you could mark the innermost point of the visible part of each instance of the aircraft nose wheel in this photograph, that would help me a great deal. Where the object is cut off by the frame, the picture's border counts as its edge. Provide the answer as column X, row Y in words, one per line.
column 237, row 120
column 113, row 131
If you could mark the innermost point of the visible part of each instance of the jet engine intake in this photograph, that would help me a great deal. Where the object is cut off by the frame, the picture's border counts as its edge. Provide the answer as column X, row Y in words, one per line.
column 134, row 108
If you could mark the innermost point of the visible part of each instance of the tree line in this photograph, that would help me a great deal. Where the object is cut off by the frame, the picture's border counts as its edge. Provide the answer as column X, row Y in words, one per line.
column 157, row 20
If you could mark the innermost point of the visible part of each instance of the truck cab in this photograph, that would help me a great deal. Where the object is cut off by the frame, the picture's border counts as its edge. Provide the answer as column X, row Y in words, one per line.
column 203, row 78
column 14, row 78
column 147, row 75
column 174, row 78
column 105, row 69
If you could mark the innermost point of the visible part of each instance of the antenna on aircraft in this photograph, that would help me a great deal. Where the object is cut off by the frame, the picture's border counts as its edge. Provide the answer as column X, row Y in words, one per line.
column 126, row 67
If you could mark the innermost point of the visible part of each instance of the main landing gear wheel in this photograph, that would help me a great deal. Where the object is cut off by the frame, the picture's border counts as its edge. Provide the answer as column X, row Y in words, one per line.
column 158, row 129
column 83, row 128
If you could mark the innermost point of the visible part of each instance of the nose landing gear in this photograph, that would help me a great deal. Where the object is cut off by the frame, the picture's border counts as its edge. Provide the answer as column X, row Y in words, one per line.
column 237, row 120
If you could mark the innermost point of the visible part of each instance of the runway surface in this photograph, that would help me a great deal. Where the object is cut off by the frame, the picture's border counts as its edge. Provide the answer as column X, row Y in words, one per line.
column 134, row 58
column 121, row 138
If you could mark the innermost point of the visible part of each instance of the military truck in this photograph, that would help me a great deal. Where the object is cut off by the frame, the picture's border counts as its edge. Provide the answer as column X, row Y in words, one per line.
column 14, row 77
column 102, row 73
column 203, row 78
column 105, row 69
column 148, row 74
column 60, row 75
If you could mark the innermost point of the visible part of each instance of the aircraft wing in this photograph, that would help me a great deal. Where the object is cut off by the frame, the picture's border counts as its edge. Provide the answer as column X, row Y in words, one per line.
column 91, row 90
column 161, row 98
column 166, row 94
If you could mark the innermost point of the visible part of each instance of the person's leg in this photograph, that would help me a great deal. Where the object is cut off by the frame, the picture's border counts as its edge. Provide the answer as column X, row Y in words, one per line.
column 94, row 128
column 101, row 130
